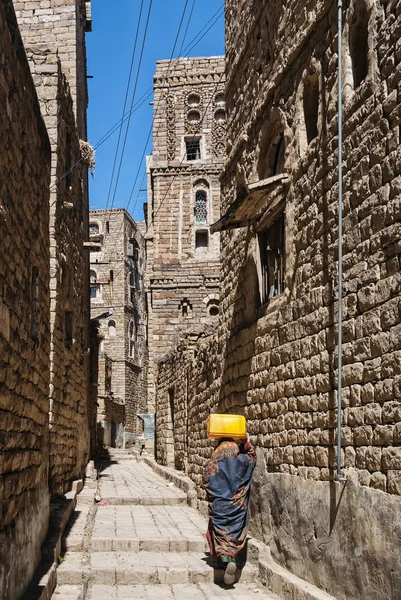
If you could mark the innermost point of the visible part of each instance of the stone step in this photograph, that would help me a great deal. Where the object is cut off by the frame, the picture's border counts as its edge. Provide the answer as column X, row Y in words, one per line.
column 184, row 591
column 137, row 484
column 127, row 568
column 147, row 528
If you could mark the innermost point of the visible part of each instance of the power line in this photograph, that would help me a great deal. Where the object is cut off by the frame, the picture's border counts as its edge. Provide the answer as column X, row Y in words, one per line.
column 216, row 16
column 125, row 102
column 132, row 102
column 146, row 95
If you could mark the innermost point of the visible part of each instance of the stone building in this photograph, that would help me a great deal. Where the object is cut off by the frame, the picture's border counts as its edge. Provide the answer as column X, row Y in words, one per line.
column 183, row 265
column 44, row 274
column 274, row 357
column 54, row 39
column 24, row 308
column 118, row 307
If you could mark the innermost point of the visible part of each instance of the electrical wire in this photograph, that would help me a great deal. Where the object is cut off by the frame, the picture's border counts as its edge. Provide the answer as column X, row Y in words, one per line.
column 146, row 95
column 125, row 102
column 132, row 102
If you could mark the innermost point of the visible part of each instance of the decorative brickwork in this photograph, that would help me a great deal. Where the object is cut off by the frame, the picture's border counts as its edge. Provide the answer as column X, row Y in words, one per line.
column 275, row 358
column 183, row 265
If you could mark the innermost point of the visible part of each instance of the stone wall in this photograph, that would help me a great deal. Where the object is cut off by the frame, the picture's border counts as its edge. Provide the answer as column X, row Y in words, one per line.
column 53, row 35
column 117, row 272
column 277, row 359
column 24, row 315
column 183, row 265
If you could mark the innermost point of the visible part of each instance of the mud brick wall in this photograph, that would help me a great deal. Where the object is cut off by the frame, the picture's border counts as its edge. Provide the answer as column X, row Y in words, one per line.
column 119, row 275
column 24, row 315
column 189, row 105
column 277, row 362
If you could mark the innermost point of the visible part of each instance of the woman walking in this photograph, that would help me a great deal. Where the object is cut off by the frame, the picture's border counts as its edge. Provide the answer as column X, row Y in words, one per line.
column 227, row 480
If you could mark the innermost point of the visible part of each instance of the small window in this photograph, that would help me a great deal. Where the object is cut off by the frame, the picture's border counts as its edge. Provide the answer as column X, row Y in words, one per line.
column 213, row 308
column 194, row 116
column 220, row 99
column 107, row 227
column 272, row 258
column 200, row 208
column 93, row 229
column 96, row 290
column 220, row 116
column 111, row 276
column 201, row 239
column 193, row 100
column 132, row 339
column 359, row 43
column 311, row 106
column 112, row 328
column 131, row 288
column 192, row 148
column 68, row 327
column 185, row 308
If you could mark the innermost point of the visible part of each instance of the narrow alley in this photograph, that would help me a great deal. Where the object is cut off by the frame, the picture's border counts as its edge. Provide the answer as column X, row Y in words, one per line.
column 142, row 540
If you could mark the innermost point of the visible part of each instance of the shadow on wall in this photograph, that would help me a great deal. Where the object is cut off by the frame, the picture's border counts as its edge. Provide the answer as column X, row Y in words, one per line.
column 240, row 344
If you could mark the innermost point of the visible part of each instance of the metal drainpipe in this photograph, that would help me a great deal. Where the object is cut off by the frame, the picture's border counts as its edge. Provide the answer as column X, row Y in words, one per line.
column 340, row 243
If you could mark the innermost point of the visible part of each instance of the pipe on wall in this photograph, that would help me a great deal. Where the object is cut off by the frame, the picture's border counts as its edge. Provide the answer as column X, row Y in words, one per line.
column 340, row 244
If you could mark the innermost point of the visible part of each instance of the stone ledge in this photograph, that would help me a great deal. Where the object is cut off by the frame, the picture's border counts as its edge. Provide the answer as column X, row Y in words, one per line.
column 278, row 579
column 45, row 578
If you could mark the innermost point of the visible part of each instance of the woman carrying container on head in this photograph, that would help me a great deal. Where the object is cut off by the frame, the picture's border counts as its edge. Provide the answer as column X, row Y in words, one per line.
column 227, row 479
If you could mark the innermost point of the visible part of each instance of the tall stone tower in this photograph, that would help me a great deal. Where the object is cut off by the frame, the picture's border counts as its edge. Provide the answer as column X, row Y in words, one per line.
column 188, row 150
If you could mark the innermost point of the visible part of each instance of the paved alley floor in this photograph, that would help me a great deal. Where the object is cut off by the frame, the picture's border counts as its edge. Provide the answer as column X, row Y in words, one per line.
column 142, row 540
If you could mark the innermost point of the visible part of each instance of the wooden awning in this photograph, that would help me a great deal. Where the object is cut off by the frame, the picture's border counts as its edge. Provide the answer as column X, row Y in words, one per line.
column 253, row 202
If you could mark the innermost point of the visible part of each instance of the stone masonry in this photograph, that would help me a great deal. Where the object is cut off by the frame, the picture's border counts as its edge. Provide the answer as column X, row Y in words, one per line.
column 183, row 265
column 54, row 39
column 118, row 306
column 274, row 358
column 24, row 315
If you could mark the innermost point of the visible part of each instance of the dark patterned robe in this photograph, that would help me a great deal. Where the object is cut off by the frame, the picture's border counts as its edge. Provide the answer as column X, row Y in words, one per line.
column 227, row 480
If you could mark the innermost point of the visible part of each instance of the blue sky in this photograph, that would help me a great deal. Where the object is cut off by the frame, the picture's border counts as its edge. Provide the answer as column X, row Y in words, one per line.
column 109, row 47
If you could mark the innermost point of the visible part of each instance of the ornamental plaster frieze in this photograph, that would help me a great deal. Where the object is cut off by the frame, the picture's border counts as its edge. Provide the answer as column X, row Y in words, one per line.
column 164, row 283
column 176, row 81
column 214, row 168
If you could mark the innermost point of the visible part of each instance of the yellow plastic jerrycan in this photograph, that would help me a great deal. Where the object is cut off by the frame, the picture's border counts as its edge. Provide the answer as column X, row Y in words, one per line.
column 220, row 426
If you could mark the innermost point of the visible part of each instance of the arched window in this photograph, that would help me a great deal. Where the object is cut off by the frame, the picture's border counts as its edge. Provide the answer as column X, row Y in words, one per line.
column 193, row 100
column 94, row 228
column 94, row 286
column 220, row 116
column 200, row 208
column 358, row 43
column 219, row 99
column 213, row 308
column 272, row 163
column 194, row 116
column 112, row 328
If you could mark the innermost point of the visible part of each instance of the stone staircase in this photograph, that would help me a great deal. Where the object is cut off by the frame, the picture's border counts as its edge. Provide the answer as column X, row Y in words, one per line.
column 142, row 540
